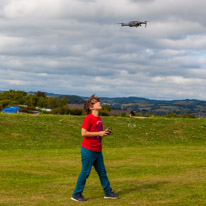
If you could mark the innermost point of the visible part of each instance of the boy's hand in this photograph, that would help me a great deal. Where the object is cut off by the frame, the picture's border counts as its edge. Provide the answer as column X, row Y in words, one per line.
column 105, row 132
column 86, row 133
column 109, row 131
column 102, row 133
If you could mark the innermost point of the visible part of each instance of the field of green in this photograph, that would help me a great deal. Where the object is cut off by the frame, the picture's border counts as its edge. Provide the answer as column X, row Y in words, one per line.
column 151, row 161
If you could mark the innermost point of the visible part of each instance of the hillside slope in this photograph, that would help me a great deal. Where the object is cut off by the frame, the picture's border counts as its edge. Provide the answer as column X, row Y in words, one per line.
column 20, row 131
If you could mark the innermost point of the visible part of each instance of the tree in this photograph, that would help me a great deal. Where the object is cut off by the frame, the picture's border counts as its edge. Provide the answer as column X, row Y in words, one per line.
column 52, row 102
column 106, row 107
column 40, row 94
column 63, row 101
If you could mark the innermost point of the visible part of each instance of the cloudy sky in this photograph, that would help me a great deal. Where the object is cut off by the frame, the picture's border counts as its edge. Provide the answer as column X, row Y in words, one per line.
column 76, row 47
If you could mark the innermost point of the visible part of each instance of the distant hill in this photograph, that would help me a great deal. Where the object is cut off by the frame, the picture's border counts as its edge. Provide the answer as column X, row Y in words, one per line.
column 158, row 107
column 73, row 99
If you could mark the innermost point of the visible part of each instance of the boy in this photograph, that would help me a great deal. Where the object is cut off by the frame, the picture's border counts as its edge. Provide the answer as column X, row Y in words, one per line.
column 91, row 150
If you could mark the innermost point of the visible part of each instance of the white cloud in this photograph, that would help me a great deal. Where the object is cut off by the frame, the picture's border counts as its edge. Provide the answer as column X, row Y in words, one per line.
column 17, row 82
column 8, row 42
column 190, row 42
column 178, row 80
column 202, row 61
column 30, row 8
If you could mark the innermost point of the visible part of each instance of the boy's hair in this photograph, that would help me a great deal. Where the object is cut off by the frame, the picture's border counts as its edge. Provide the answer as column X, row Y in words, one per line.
column 89, row 103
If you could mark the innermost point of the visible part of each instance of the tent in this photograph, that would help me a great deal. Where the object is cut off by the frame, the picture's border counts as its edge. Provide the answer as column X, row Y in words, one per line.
column 11, row 109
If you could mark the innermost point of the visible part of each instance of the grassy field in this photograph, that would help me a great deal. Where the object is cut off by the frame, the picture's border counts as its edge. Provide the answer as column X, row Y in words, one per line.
column 152, row 161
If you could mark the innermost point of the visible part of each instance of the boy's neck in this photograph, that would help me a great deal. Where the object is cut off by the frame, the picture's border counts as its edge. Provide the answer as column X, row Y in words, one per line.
column 95, row 113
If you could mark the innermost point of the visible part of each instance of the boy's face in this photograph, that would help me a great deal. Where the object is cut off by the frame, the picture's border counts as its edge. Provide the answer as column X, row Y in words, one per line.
column 96, row 105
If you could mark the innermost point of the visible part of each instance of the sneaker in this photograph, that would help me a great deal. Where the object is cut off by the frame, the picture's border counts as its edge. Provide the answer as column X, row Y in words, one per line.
column 111, row 195
column 78, row 198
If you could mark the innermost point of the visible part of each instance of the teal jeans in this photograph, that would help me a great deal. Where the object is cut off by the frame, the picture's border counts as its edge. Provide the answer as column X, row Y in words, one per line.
column 90, row 158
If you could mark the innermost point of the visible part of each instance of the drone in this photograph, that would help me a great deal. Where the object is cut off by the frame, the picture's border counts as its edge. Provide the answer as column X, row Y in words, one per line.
column 134, row 23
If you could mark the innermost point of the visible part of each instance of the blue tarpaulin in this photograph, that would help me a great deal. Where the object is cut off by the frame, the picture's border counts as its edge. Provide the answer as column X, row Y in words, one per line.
column 11, row 109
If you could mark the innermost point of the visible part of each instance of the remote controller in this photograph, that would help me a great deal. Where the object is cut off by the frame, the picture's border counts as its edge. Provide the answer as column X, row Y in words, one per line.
column 110, row 131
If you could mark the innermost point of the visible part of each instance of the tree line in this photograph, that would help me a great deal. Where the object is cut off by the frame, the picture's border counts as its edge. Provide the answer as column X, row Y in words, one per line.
column 30, row 102
column 38, row 99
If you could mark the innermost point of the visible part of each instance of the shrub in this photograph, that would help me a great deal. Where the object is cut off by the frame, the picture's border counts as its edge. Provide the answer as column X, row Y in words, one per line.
column 124, row 114
column 148, row 114
column 188, row 116
column 61, row 110
column 104, row 113
column 27, row 110
column 180, row 115
column 66, row 110
column 76, row 111
column 171, row 115
column 139, row 114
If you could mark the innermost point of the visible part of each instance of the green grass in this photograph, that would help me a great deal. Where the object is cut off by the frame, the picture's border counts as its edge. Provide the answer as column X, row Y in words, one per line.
column 152, row 161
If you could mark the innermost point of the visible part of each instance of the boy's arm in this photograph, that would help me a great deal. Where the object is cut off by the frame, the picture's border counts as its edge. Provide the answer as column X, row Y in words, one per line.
column 86, row 133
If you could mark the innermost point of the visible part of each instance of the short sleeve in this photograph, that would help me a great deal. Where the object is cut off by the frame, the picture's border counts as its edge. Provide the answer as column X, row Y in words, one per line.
column 86, row 123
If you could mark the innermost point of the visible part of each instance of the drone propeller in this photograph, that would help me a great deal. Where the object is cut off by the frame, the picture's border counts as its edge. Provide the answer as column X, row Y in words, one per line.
column 145, row 23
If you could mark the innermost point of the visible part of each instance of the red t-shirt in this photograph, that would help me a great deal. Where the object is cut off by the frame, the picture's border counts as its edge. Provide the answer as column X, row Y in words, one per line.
column 92, row 124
